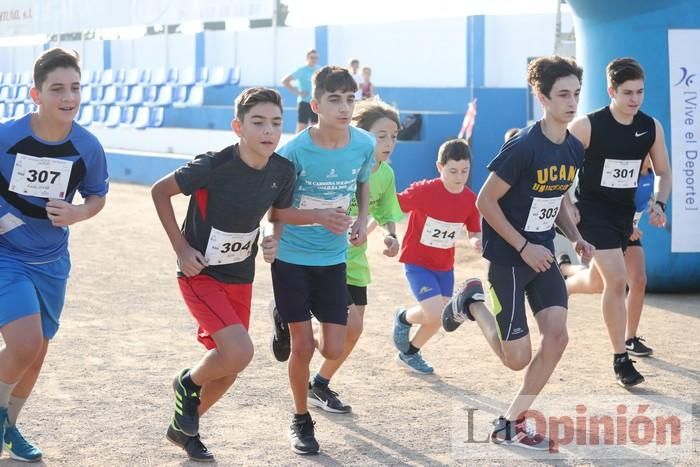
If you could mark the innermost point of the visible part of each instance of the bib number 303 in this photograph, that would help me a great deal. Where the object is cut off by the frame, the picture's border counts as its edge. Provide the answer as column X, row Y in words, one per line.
column 543, row 213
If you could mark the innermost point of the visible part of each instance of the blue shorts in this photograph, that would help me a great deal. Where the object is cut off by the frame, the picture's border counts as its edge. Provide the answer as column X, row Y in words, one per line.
column 426, row 283
column 27, row 289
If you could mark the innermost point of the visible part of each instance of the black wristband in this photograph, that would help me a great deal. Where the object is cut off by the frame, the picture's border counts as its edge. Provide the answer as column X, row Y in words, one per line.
column 661, row 204
column 520, row 251
column 392, row 235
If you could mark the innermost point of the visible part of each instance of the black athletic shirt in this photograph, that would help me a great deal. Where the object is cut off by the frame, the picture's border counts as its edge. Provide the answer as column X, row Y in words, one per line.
column 613, row 140
column 232, row 197
column 537, row 170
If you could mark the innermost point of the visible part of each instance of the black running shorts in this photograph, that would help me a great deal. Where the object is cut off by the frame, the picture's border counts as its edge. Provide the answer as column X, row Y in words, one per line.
column 305, row 114
column 303, row 290
column 510, row 285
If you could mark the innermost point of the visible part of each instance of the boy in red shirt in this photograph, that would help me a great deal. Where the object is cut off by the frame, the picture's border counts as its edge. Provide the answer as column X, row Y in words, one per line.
column 438, row 209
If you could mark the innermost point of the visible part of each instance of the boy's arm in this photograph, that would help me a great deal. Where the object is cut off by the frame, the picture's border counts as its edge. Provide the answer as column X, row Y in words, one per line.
column 336, row 220
column 63, row 214
column 662, row 182
column 191, row 261
column 566, row 223
column 475, row 240
column 358, row 232
column 538, row 257
column 287, row 83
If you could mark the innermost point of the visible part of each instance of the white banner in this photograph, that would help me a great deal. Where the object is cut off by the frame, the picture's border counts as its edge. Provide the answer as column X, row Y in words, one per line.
column 30, row 17
column 684, row 81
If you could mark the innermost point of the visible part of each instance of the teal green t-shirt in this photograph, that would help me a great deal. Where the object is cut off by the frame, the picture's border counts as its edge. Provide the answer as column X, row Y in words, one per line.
column 383, row 207
column 303, row 79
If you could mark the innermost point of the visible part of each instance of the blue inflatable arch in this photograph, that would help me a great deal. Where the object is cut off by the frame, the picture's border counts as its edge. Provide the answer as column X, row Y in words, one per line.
column 639, row 28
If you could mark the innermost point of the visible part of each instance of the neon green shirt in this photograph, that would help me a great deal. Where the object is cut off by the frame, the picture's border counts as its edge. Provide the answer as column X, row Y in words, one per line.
column 383, row 207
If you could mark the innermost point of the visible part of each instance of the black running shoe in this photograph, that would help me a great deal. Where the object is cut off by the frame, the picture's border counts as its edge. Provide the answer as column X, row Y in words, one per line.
column 323, row 397
column 281, row 345
column 192, row 445
column 635, row 347
column 627, row 375
column 301, row 436
column 186, row 406
column 456, row 311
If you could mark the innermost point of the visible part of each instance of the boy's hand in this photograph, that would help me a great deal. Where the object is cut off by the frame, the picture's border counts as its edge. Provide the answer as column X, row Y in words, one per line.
column 585, row 250
column 392, row 246
column 636, row 234
column 336, row 220
column 657, row 216
column 269, row 247
column 63, row 214
column 190, row 260
column 358, row 231
column 538, row 257
column 475, row 243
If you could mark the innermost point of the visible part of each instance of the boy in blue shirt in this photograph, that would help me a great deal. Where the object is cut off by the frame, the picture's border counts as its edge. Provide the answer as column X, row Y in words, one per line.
column 302, row 77
column 333, row 161
column 45, row 157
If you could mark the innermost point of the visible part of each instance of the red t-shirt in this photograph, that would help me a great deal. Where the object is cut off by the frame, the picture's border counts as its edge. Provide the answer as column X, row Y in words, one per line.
column 435, row 218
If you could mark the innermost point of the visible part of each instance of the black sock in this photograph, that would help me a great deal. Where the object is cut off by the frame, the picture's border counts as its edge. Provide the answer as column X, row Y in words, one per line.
column 189, row 384
column 402, row 318
column 620, row 357
column 301, row 417
column 320, row 381
column 412, row 349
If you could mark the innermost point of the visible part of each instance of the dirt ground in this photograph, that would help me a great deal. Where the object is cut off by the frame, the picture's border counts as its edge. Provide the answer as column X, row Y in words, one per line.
column 104, row 398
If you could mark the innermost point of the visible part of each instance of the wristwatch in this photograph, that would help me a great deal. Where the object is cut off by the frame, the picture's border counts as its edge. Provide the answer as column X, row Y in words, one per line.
column 661, row 204
column 392, row 236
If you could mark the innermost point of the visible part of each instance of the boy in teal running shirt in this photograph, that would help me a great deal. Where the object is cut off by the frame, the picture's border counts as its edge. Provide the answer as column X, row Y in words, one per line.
column 382, row 121
column 332, row 163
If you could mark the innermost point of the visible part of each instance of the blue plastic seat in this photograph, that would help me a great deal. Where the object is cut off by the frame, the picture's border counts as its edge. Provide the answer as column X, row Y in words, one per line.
column 87, row 112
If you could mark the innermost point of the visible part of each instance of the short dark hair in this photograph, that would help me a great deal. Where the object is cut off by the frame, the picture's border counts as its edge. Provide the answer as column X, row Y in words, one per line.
column 311, row 51
column 332, row 78
column 368, row 111
column 510, row 133
column 56, row 57
column 251, row 97
column 543, row 72
column 623, row 69
column 454, row 150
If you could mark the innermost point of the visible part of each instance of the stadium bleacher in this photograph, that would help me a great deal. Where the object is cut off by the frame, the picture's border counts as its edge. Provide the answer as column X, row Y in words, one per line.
column 140, row 98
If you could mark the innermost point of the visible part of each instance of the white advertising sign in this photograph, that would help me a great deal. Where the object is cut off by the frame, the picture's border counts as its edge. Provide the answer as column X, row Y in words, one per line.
column 684, row 82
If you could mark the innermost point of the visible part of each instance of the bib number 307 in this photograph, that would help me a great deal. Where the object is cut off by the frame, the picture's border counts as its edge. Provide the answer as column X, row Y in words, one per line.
column 43, row 177
column 543, row 213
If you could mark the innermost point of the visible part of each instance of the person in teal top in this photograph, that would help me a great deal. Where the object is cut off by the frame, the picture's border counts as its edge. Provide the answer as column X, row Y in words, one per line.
column 382, row 121
column 302, row 77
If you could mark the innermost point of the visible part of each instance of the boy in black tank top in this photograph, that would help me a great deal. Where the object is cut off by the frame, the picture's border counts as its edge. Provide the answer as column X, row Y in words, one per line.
column 617, row 138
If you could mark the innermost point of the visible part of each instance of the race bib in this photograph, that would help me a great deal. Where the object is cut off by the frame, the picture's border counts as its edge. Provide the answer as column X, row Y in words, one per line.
column 228, row 248
column 620, row 174
column 439, row 234
column 43, row 177
column 311, row 202
column 543, row 213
